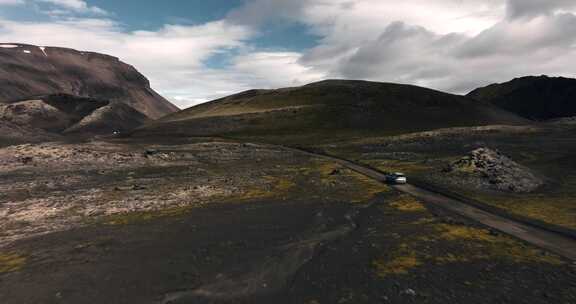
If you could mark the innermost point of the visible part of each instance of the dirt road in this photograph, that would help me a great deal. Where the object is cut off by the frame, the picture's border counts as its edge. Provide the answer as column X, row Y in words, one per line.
column 544, row 239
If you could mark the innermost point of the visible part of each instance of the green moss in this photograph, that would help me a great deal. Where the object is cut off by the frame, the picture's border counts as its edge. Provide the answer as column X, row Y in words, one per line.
column 137, row 217
column 273, row 186
column 317, row 179
column 556, row 206
column 11, row 262
column 494, row 246
column 397, row 265
column 427, row 241
column 388, row 165
column 408, row 203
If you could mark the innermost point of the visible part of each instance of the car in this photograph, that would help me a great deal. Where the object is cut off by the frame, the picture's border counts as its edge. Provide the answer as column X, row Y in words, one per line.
column 396, row 178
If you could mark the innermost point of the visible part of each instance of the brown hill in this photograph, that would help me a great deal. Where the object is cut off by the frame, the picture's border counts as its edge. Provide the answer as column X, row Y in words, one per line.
column 27, row 70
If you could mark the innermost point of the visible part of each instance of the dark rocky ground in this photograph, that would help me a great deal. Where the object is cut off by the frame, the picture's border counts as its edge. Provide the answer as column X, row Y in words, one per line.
column 212, row 221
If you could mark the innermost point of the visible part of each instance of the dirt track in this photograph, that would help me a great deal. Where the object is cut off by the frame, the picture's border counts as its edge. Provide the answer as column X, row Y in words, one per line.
column 548, row 240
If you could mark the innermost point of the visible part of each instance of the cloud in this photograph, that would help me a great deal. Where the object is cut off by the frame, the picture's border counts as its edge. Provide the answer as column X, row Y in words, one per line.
column 259, row 12
column 275, row 69
column 460, row 62
column 533, row 8
column 77, row 6
column 11, row 2
column 455, row 45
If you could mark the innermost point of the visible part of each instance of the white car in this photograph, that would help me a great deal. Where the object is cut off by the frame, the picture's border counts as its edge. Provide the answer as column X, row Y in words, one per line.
column 396, row 178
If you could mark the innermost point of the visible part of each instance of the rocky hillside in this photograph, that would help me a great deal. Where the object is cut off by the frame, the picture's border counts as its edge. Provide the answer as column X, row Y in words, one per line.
column 27, row 70
column 11, row 134
column 536, row 98
column 331, row 107
column 65, row 114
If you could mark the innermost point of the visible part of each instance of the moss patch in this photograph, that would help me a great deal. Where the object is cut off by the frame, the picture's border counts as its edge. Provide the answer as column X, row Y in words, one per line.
column 272, row 186
column 428, row 241
column 11, row 262
column 409, row 167
column 494, row 246
column 408, row 203
column 137, row 217
column 318, row 179
column 397, row 265
column 554, row 208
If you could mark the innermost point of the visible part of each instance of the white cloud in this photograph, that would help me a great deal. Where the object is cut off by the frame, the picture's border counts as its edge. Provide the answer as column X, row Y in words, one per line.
column 248, row 70
column 275, row 69
column 77, row 6
column 533, row 8
column 453, row 45
column 11, row 2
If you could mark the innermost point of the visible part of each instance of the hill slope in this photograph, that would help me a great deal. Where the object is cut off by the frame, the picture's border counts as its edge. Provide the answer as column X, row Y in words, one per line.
column 65, row 114
column 537, row 98
column 331, row 107
column 27, row 70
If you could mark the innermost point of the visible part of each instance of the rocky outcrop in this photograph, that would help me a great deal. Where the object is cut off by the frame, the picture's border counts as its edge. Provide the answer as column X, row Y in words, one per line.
column 27, row 71
column 490, row 169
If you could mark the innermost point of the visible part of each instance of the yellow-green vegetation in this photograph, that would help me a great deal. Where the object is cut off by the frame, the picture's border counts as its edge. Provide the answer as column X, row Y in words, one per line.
column 433, row 242
column 397, row 265
column 317, row 179
column 408, row 203
column 493, row 246
column 389, row 165
column 358, row 187
column 557, row 207
column 459, row 232
column 10, row 262
column 273, row 186
column 137, row 217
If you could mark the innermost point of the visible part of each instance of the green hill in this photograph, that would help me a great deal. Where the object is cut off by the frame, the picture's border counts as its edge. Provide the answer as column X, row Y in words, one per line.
column 329, row 110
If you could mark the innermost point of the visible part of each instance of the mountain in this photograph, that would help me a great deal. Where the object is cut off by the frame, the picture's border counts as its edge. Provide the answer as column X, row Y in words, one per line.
column 331, row 107
column 63, row 114
column 28, row 70
column 536, row 98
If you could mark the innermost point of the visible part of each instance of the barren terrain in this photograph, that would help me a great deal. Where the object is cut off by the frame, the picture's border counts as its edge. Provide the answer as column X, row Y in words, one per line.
column 215, row 221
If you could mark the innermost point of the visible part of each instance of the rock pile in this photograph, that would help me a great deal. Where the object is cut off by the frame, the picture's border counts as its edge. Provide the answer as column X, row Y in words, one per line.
column 488, row 168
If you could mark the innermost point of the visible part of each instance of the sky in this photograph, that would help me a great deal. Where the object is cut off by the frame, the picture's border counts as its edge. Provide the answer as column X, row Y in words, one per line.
column 196, row 50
